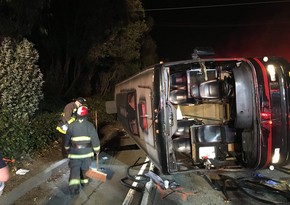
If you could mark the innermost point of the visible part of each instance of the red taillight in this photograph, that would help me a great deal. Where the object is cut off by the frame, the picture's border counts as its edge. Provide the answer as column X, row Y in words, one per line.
column 265, row 115
column 269, row 122
column 266, row 118
column 144, row 116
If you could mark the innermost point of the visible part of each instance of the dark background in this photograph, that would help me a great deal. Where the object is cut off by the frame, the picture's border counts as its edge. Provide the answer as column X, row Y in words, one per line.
column 232, row 28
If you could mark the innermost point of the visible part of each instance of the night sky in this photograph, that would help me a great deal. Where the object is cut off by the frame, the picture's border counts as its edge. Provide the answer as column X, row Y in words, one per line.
column 232, row 28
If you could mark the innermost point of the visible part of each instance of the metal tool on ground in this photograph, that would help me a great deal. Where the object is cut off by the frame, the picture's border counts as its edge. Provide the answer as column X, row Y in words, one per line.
column 95, row 174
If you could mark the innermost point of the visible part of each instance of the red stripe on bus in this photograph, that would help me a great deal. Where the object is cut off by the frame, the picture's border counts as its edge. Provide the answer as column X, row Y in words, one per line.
column 267, row 91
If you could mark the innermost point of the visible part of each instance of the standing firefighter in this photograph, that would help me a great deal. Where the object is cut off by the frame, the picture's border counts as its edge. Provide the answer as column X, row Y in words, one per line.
column 81, row 142
column 67, row 117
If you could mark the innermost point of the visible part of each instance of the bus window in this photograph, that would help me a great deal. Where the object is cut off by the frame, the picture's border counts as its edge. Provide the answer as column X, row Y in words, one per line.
column 132, row 119
column 126, row 112
column 143, row 115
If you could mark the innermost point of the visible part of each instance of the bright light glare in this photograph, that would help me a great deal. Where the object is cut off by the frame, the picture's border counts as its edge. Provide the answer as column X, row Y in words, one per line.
column 265, row 59
column 179, row 113
column 272, row 72
column 276, row 156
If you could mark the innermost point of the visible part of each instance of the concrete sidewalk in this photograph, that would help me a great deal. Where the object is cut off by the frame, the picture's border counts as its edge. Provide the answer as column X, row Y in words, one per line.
column 116, row 168
column 31, row 183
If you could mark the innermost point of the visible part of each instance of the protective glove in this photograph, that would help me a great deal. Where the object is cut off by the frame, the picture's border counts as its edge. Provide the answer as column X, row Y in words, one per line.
column 64, row 127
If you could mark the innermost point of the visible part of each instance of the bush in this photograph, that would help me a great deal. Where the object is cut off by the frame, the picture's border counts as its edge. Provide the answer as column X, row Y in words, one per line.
column 21, row 92
column 17, row 139
column 43, row 129
column 98, row 104
column 21, row 79
column 26, row 138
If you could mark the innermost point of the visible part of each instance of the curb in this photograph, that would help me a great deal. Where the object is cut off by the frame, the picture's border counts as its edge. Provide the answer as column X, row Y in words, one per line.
column 148, row 191
column 31, row 183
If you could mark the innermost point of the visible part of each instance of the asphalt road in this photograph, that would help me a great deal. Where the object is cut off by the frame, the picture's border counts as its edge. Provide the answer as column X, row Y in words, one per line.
column 189, row 188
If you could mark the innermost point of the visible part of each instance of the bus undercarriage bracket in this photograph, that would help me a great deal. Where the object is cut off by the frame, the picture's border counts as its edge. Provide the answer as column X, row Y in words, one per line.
column 251, row 187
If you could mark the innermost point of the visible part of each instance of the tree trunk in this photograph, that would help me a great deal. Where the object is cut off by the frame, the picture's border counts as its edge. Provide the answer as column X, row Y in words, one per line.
column 66, row 67
column 105, row 80
column 71, row 90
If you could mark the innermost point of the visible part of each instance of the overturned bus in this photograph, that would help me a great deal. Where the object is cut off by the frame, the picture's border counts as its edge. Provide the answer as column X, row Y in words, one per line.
column 209, row 113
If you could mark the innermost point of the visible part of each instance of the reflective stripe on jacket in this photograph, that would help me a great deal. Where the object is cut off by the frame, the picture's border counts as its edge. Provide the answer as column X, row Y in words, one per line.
column 67, row 117
column 60, row 127
column 81, row 139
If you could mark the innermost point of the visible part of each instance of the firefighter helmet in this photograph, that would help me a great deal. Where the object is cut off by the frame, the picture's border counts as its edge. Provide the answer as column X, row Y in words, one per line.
column 83, row 111
column 81, row 100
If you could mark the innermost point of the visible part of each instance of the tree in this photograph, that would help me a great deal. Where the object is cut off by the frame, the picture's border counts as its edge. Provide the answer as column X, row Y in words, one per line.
column 18, row 17
column 121, row 49
column 21, row 79
column 84, row 43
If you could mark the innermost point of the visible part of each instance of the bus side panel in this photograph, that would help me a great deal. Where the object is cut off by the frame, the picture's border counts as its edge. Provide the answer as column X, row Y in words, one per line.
column 134, row 101
column 285, row 98
column 278, row 83
column 161, row 117
column 273, row 78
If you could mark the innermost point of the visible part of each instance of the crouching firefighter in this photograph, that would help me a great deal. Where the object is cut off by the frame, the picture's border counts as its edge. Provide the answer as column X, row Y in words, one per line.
column 81, row 142
column 68, row 116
